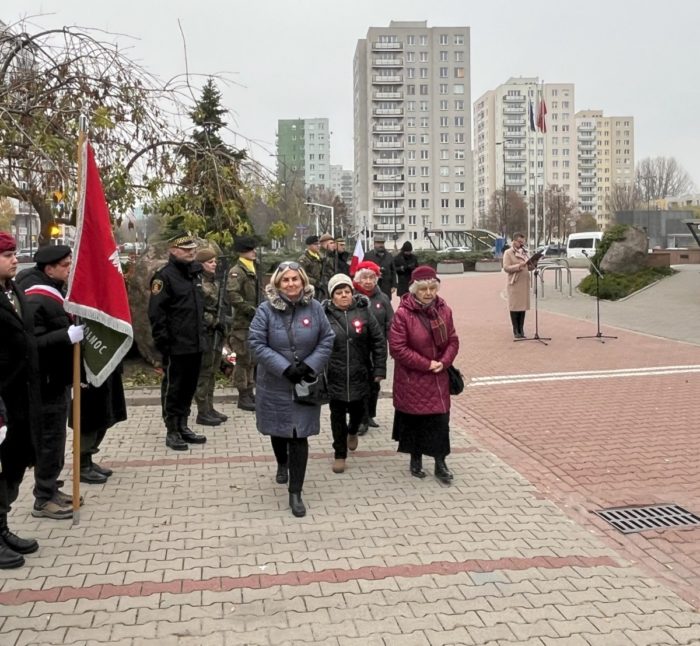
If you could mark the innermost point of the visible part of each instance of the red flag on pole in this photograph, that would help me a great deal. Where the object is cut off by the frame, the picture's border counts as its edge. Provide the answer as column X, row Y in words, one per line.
column 96, row 288
column 542, row 115
column 357, row 256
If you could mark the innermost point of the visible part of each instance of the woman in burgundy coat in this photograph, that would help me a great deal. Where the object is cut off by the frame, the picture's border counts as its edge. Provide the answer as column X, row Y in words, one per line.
column 423, row 342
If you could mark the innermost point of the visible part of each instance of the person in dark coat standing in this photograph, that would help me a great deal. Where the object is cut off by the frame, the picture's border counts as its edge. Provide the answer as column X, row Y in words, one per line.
column 404, row 262
column 365, row 282
column 176, row 312
column 291, row 340
column 19, row 371
column 312, row 264
column 381, row 257
column 44, row 287
column 358, row 359
column 423, row 342
column 342, row 257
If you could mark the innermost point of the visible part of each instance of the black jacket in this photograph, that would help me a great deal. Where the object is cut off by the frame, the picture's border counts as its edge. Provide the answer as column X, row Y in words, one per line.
column 387, row 281
column 19, row 371
column 51, row 323
column 404, row 263
column 380, row 306
column 176, row 308
column 359, row 350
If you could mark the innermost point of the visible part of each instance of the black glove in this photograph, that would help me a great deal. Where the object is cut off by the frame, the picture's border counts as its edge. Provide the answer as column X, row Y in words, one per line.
column 296, row 373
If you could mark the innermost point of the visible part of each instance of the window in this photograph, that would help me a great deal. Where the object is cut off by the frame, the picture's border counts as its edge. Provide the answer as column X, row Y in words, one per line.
column 459, row 39
column 425, row 187
column 459, row 154
column 425, row 203
column 443, row 72
column 423, row 106
column 444, row 187
column 445, row 202
column 444, row 39
column 424, row 57
column 424, row 90
column 410, row 57
column 424, row 72
column 411, row 122
column 443, row 56
column 411, row 139
column 410, row 90
column 444, row 139
column 444, row 153
column 424, row 122
column 459, row 137
column 411, row 171
column 444, row 171
column 444, row 122
column 459, row 203
column 410, row 106
column 411, row 72
column 459, row 72
column 445, row 219
column 411, row 219
column 425, row 154
column 444, row 104
column 411, row 187
column 459, row 171
column 459, row 57
column 412, row 203
column 444, row 88
column 459, row 104
column 424, row 139
column 425, row 171
column 411, row 155
column 410, row 40
column 459, row 219
column 459, row 122
column 459, row 187
column 423, row 40
column 458, row 88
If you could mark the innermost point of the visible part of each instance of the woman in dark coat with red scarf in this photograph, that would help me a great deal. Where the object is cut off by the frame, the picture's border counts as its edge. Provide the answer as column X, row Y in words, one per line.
column 423, row 342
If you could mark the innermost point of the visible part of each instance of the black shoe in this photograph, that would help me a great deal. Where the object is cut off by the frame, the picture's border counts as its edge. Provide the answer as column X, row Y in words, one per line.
column 216, row 413
column 362, row 429
column 9, row 559
column 246, row 400
column 297, row 505
column 60, row 483
column 417, row 467
column 282, row 476
column 105, row 471
column 442, row 473
column 187, row 434
column 207, row 419
column 90, row 476
column 372, row 423
column 175, row 442
column 14, row 542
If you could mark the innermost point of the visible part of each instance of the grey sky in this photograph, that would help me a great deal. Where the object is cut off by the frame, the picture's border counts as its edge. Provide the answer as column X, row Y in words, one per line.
column 294, row 58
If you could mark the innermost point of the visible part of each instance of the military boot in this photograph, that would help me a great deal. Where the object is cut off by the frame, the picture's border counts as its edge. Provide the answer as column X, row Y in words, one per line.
column 173, row 439
column 14, row 542
column 246, row 399
column 187, row 434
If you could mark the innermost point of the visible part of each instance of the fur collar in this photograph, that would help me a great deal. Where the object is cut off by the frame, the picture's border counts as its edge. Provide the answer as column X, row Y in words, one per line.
column 279, row 303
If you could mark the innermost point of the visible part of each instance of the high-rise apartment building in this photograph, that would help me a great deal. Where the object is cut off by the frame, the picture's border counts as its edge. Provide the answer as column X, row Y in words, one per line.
column 507, row 150
column 412, row 136
column 342, row 185
column 605, row 161
column 303, row 152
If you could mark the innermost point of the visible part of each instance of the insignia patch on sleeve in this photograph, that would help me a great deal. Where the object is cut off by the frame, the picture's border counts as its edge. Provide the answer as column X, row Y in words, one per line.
column 156, row 286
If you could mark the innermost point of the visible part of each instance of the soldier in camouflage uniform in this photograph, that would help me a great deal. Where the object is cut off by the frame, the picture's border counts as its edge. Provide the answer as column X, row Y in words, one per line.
column 329, row 260
column 312, row 263
column 211, row 357
column 243, row 294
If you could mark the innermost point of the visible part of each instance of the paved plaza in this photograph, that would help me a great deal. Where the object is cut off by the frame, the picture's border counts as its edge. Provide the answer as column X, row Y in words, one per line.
column 200, row 548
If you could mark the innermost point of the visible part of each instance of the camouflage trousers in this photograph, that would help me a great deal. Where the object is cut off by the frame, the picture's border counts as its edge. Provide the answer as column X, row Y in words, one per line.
column 204, row 395
column 243, row 373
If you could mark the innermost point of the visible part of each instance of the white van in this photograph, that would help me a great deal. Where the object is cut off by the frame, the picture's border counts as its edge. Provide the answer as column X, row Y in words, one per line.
column 587, row 241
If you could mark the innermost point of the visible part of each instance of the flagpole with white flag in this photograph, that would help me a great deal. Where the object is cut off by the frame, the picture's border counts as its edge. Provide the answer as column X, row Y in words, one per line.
column 357, row 256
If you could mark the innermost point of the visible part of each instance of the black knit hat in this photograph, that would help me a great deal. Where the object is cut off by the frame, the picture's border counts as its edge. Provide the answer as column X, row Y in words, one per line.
column 244, row 243
column 407, row 246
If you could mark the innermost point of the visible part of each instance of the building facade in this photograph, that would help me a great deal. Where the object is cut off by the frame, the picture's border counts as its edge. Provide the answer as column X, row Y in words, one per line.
column 412, row 132
column 342, row 185
column 509, row 152
column 303, row 153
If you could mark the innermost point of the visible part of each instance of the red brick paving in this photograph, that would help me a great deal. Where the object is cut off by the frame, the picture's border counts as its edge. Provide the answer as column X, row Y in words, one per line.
column 587, row 444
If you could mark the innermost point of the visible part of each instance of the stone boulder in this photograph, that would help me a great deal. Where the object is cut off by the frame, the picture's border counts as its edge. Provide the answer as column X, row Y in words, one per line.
column 627, row 256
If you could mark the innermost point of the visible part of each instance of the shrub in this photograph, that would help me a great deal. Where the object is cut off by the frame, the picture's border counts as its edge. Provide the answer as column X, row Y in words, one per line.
column 616, row 286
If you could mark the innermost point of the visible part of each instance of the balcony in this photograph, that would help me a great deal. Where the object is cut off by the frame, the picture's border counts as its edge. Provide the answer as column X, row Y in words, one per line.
column 394, row 127
column 586, row 183
column 590, row 137
column 395, row 46
column 394, row 78
column 515, row 145
column 515, row 158
column 398, row 211
column 381, row 194
column 394, row 161
column 514, row 122
column 515, row 182
column 384, row 228
column 513, row 98
column 516, row 135
column 387, row 62
column 388, row 112
column 586, row 156
column 392, row 145
column 584, row 175
column 588, row 146
column 385, row 179
column 391, row 96
column 514, row 109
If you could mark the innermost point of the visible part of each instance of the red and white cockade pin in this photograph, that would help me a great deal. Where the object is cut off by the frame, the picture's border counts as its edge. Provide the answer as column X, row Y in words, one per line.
column 306, row 322
column 357, row 323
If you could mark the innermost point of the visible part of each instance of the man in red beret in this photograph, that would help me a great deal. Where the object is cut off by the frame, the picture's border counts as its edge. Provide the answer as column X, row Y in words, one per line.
column 19, row 372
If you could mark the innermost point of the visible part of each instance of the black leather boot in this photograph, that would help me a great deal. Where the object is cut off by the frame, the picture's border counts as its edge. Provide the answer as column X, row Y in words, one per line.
column 14, row 542
column 296, row 504
column 187, row 434
column 173, row 440
column 442, row 473
column 216, row 413
column 105, row 471
column 9, row 559
column 246, row 400
column 207, row 419
column 282, row 476
column 417, row 466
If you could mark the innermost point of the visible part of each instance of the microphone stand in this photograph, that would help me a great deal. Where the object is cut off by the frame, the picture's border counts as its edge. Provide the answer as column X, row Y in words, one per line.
column 598, row 335
column 536, row 337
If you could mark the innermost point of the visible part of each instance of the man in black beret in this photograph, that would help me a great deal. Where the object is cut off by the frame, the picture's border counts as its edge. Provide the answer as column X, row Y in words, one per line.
column 404, row 263
column 312, row 263
column 342, row 257
column 44, row 286
column 176, row 312
column 244, row 295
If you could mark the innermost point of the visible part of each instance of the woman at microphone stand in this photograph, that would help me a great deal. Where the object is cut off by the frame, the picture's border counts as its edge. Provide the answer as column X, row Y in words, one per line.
column 517, row 266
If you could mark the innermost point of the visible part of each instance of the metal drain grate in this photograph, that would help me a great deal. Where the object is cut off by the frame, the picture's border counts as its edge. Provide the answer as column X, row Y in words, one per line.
column 629, row 520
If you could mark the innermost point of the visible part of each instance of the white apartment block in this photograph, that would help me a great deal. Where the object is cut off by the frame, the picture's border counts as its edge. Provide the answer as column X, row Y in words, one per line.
column 506, row 148
column 412, row 132
column 605, row 159
column 342, row 185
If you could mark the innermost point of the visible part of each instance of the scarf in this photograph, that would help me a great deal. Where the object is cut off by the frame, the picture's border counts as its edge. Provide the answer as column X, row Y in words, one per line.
column 435, row 324
column 248, row 264
column 313, row 254
column 362, row 290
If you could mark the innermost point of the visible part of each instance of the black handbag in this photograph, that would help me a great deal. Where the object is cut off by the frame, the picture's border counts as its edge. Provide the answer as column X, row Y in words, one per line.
column 312, row 393
column 456, row 380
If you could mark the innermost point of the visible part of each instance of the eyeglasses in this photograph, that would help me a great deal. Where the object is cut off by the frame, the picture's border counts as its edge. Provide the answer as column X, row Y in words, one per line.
column 289, row 264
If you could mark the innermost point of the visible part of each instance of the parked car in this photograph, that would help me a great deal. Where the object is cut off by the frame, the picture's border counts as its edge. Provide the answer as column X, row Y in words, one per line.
column 26, row 255
column 553, row 250
column 455, row 250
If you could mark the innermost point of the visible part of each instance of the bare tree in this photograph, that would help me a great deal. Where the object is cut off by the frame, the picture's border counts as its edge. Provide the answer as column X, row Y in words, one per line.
column 509, row 220
column 622, row 197
column 660, row 177
column 559, row 216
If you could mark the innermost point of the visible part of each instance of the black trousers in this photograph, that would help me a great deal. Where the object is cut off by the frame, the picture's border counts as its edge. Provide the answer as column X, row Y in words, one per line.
column 16, row 454
column 294, row 452
column 517, row 320
column 90, row 441
column 371, row 401
column 339, row 423
column 51, row 444
column 180, row 377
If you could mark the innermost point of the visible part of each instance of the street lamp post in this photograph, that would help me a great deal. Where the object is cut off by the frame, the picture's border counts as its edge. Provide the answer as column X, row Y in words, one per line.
column 502, row 144
column 324, row 206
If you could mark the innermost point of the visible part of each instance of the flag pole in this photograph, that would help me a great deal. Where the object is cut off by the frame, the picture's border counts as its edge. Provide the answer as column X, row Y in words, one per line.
column 544, row 165
column 76, row 350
